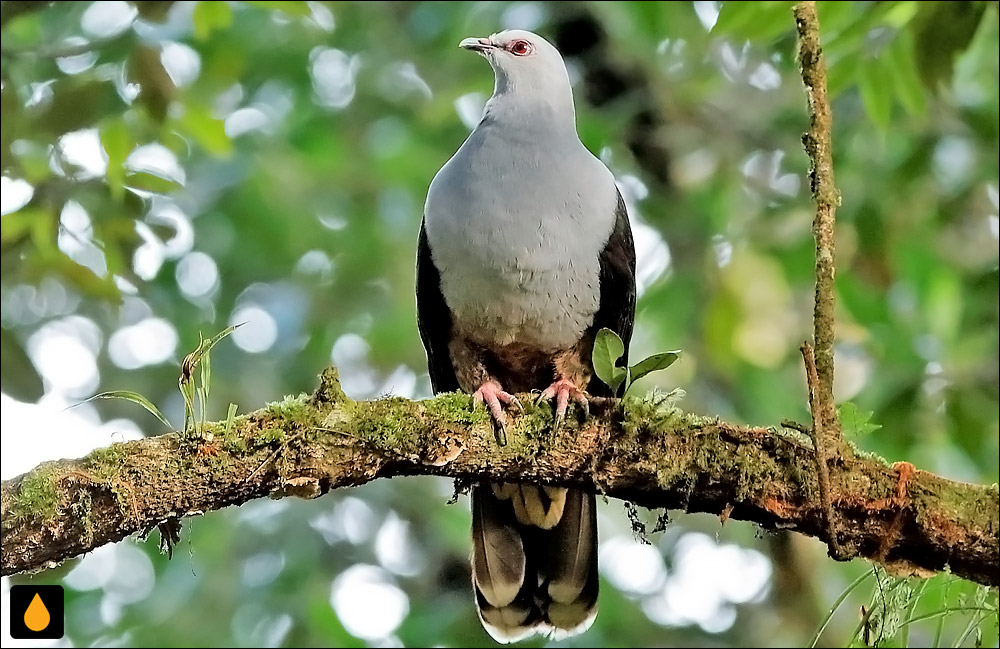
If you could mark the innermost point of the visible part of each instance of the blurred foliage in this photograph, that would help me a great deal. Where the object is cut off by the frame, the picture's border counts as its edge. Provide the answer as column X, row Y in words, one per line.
column 172, row 168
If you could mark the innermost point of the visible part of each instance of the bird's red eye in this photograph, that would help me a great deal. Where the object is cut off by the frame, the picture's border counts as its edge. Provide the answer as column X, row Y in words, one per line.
column 520, row 48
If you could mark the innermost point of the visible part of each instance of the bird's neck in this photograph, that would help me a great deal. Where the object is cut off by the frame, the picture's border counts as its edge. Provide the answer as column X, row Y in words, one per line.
column 545, row 104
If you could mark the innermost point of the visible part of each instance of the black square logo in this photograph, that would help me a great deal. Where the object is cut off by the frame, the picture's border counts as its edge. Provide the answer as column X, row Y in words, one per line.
column 36, row 612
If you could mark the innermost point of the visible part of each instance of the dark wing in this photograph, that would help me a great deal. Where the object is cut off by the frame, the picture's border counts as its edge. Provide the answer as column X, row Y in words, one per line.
column 617, row 308
column 433, row 319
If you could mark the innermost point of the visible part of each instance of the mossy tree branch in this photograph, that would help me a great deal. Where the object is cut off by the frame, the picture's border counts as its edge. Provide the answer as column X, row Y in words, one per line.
column 644, row 451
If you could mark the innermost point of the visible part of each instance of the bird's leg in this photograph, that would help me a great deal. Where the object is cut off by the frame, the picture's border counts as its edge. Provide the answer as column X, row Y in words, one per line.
column 571, row 372
column 473, row 377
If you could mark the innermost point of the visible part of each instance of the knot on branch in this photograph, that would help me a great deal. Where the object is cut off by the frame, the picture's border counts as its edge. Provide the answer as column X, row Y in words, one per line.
column 329, row 392
column 306, row 487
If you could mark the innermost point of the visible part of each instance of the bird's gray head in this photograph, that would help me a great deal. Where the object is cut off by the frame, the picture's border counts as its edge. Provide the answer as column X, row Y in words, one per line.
column 526, row 65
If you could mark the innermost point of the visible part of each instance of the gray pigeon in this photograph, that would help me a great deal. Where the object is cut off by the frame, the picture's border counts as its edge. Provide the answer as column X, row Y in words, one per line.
column 525, row 252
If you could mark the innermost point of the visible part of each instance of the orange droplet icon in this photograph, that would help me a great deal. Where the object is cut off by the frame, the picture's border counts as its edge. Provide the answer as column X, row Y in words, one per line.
column 37, row 617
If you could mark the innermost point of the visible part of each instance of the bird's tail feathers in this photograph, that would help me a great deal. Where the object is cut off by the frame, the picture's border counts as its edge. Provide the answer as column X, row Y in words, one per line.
column 534, row 560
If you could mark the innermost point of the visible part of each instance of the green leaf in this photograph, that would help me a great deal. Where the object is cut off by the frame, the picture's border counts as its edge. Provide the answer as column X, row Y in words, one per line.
column 134, row 397
column 855, row 423
column 117, row 143
column 760, row 22
column 85, row 280
column 654, row 363
column 842, row 74
column 203, row 405
column 206, row 373
column 33, row 159
column 836, row 605
column 835, row 17
column 187, row 391
column 18, row 375
column 209, row 16
column 187, row 382
column 151, row 183
column 20, row 224
column 214, row 340
column 290, row 8
column 876, row 92
column 230, row 417
column 900, row 56
column 943, row 30
column 207, row 130
column 608, row 348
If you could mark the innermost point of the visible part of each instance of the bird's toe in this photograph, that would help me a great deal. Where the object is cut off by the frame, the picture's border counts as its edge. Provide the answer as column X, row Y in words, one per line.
column 493, row 396
column 562, row 392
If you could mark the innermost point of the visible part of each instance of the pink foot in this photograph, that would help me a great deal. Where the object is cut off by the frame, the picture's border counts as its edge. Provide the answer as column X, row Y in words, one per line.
column 562, row 391
column 494, row 398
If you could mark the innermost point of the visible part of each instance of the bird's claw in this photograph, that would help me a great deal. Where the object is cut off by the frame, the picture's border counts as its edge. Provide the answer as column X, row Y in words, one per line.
column 491, row 395
column 562, row 391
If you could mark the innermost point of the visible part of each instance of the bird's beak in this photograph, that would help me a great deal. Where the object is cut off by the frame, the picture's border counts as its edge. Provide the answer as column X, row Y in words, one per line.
column 477, row 44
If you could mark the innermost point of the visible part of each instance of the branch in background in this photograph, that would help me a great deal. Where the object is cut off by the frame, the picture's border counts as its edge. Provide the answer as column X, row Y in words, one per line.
column 645, row 451
column 818, row 360
column 55, row 52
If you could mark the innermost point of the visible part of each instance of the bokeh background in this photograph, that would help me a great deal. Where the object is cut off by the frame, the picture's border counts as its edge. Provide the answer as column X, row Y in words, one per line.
column 171, row 168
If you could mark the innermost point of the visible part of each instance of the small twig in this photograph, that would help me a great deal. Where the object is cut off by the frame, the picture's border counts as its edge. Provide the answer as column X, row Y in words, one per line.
column 333, row 431
column 60, row 52
column 822, row 453
column 794, row 425
column 273, row 456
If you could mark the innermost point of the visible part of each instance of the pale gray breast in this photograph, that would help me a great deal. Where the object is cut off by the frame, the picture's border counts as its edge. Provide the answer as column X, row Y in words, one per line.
column 516, row 234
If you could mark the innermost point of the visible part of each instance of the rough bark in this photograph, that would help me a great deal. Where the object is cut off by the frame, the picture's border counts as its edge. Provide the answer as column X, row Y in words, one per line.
column 818, row 356
column 818, row 142
column 644, row 451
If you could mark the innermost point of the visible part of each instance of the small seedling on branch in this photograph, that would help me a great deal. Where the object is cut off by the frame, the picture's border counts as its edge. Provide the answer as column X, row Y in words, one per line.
column 609, row 350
